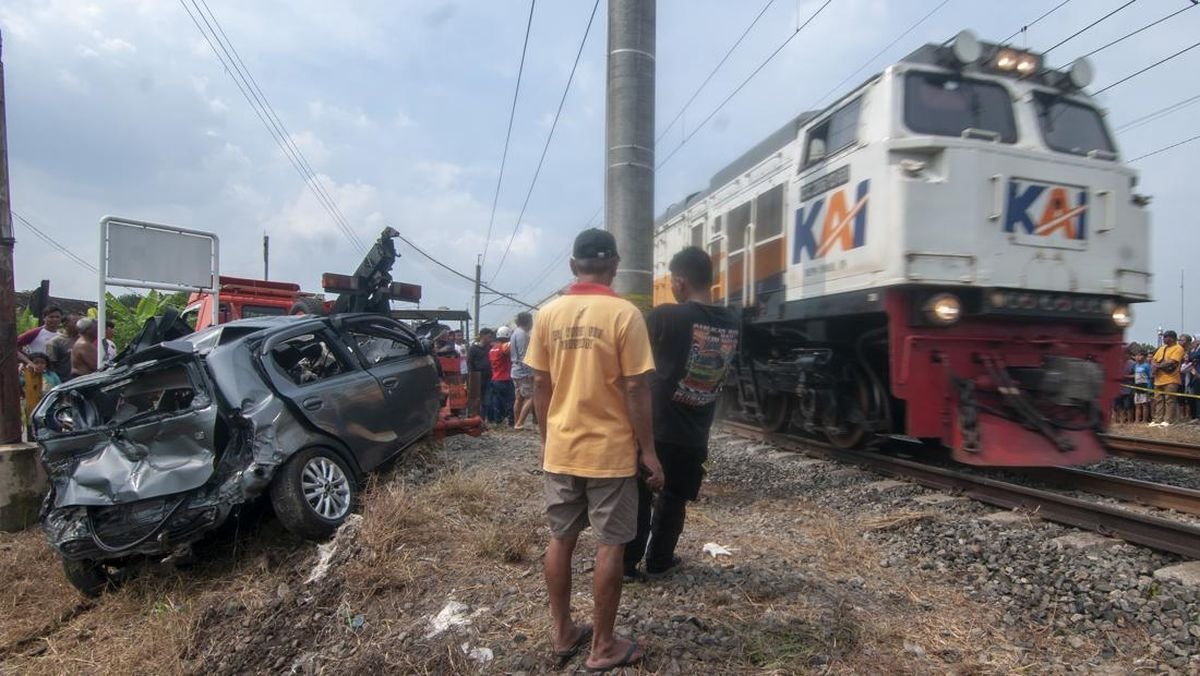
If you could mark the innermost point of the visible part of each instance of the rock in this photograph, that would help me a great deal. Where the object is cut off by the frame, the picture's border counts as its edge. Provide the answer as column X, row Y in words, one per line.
column 933, row 499
column 1009, row 519
column 885, row 485
column 1187, row 574
column 1083, row 540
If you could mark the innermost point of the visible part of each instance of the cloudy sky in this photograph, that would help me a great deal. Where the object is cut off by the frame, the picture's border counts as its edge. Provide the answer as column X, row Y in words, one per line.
column 120, row 107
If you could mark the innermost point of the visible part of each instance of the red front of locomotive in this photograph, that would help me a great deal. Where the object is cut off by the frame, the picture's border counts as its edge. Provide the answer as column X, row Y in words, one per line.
column 1006, row 378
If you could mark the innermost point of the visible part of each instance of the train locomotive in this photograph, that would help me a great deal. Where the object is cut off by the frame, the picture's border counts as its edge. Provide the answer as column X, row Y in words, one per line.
column 948, row 252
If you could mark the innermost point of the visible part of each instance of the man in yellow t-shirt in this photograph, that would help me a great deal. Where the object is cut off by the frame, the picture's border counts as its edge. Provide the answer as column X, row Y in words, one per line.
column 1167, row 379
column 591, row 360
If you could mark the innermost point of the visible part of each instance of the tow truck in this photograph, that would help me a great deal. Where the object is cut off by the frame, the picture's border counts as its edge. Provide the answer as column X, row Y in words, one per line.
column 369, row 289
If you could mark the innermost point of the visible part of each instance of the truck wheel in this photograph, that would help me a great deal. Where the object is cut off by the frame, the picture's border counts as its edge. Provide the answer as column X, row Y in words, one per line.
column 307, row 306
column 90, row 577
column 313, row 493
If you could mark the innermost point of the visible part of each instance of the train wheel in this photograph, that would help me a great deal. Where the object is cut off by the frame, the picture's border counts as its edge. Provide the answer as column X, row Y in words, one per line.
column 853, row 402
column 777, row 412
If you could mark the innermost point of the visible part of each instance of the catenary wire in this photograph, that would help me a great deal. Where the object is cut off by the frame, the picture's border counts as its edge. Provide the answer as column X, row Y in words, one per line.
column 557, row 261
column 1165, row 148
column 1161, row 112
column 54, row 243
column 546, row 148
column 743, row 84
column 456, row 273
column 713, row 72
column 878, row 54
column 1086, row 28
column 1152, row 66
column 512, row 114
column 1035, row 22
column 344, row 227
column 1135, row 32
column 273, row 117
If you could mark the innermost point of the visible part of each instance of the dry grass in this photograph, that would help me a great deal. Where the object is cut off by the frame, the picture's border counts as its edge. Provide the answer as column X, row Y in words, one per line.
column 897, row 520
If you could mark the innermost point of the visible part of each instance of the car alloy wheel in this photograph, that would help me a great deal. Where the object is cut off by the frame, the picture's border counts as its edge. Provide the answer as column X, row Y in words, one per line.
column 326, row 488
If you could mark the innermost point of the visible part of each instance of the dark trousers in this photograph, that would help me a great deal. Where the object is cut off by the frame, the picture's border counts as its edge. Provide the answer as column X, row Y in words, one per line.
column 502, row 395
column 660, row 518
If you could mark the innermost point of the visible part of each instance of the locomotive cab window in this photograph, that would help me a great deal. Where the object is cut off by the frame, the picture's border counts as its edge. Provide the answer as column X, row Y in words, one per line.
column 951, row 105
column 835, row 133
column 1071, row 127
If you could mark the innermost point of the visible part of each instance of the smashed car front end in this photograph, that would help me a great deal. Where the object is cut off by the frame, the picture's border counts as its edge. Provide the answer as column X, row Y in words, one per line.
column 150, row 456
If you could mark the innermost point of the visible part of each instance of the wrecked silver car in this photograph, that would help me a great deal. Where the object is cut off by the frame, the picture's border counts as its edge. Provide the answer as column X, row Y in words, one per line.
column 149, row 456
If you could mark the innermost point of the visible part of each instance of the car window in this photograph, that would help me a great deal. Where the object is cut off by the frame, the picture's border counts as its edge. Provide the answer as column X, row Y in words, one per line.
column 379, row 345
column 307, row 358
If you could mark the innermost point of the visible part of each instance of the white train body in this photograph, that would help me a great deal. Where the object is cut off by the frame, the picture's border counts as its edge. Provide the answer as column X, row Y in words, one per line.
column 957, row 229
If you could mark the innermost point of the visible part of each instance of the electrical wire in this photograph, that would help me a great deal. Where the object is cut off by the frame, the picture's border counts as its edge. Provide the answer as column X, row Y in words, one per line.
column 1033, row 23
column 54, row 243
column 277, row 122
column 1152, row 66
column 713, row 72
column 309, row 179
column 1133, row 33
column 743, row 84
column 512, row 114
column 837, row 87
column 558, row 260
column 546, row 148
column 1161, row 112
column 1086, row 28
column 470, row 279
column 1165, row 149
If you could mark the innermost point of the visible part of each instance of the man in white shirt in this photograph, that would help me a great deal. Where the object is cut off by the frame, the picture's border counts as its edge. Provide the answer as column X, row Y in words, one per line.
column 36, row 339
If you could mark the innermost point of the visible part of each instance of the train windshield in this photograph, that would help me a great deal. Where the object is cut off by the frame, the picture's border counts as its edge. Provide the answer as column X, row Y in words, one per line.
column 951, row 105
column 1071, row 127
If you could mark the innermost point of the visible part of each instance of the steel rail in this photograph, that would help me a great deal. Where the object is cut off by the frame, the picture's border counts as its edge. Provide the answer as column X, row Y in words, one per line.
column 1157, row 450
column 1146, row 493
column 1139, row 528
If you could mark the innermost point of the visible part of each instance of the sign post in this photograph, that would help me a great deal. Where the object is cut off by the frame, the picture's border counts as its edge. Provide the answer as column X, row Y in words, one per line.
column 148, row 255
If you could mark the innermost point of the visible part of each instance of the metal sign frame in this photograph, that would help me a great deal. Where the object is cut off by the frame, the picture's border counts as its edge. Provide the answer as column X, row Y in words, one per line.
column 165, row 285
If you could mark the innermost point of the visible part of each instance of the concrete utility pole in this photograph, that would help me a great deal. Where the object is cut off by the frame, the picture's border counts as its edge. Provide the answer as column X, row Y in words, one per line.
column 266, row 257
column 10, row 391
column 629, row 176
column 478, row 274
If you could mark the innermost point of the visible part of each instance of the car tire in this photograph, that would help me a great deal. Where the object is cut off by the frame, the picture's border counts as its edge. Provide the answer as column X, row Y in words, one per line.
column 313, row 493
column 307, row 306
column 90, row 577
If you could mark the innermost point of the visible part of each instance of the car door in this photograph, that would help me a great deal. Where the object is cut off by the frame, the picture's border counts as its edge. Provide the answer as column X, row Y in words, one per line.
column 310, row 367
column 407, row 375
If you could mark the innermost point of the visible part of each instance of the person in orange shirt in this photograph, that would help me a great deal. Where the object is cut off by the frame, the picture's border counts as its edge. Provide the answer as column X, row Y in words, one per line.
column 591, row 361
column 1167, row 379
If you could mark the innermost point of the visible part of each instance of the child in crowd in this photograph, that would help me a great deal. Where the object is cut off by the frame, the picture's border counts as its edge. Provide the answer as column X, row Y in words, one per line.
column 36, row 380
column 1141, row 378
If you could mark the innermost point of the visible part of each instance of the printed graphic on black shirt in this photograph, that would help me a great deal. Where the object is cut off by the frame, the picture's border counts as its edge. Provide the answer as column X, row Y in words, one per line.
column 708, row 362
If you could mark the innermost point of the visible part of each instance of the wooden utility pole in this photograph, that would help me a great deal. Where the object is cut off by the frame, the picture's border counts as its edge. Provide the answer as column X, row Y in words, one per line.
column 10, row 391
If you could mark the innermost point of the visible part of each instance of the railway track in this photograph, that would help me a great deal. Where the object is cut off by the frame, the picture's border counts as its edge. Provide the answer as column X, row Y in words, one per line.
column 1130, row 525
column 1153, row 449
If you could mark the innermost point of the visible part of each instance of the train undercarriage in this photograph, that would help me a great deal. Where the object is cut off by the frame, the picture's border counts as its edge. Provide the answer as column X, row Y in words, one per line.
column 993, row 391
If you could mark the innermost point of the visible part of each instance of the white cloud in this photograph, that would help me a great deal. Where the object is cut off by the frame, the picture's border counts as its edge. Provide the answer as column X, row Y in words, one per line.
column 320, row 110
column 69, row 80
column 116, row 46
column 313, row 148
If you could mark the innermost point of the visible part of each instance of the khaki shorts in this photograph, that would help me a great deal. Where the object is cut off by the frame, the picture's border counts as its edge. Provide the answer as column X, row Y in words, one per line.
column 524, row 387
column 608, row 505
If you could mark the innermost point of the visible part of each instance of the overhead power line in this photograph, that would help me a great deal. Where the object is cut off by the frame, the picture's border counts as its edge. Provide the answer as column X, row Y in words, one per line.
column 1135, row 32
column 713, row 72
column 270, row 120
column 558, row 260
column 744, row 82
column 1035, row 22
column 837, row 87
column 1086, row 28
column 1166, row 148
column 512, row 113
column 1161, row 112
column 546, row 148
column 54, row 243
column 456, row 273
column 1152, row 66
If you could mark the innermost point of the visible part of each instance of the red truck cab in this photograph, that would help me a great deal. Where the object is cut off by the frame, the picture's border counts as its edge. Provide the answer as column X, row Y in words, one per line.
column 242, row 298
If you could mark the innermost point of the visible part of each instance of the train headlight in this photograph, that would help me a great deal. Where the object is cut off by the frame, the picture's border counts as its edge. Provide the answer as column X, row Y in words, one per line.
column 1122, row 316
column 1006, row 59
column 943, row 309
column 1027, row 64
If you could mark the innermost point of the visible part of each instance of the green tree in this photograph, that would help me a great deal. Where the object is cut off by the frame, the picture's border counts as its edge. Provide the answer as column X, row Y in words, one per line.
column 25, row 320
column 127, row 322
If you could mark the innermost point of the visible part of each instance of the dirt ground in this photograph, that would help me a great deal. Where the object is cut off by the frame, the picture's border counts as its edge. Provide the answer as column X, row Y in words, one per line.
column 803, row 591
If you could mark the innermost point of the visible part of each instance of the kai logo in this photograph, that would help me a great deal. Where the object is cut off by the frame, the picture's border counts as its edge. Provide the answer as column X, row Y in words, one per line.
column 1046, row 210
column 843, row 224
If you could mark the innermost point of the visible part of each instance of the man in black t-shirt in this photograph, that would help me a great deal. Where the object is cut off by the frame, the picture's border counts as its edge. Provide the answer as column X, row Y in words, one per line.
column 694, row 343
column 478, row 362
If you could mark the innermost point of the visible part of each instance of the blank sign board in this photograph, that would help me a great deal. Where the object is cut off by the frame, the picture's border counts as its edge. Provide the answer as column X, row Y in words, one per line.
column 138, row 252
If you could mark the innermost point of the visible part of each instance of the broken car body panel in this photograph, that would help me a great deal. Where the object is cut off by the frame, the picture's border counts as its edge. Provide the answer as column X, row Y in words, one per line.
column 156, row 452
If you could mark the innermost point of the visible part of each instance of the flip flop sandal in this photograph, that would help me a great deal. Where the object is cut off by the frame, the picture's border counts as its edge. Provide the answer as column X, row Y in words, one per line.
column 627, row 661
column 585, row 637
